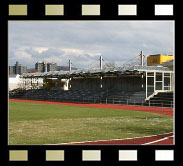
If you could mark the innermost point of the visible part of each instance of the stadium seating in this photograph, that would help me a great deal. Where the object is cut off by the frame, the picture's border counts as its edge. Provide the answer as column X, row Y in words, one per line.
column 104, row 97
column 122, row 97
column 81, row 95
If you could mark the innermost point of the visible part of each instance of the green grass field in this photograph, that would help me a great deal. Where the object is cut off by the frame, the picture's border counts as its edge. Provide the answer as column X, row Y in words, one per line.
column 35, row 123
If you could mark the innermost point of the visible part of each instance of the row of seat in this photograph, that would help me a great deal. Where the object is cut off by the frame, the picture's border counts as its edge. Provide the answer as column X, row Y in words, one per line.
column 99, row 96
column 108, row 97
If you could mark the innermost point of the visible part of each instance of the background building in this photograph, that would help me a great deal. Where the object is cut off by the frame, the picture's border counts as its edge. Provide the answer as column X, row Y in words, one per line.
column 169, row 64
column 158, row 59
column 17, row 69
column 42, row 67
column 51, row 67
column 14, row 81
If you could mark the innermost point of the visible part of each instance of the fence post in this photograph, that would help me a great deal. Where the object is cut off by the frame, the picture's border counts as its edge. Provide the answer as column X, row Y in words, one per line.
column 106, row 100
column 127, row 101
column 149, row 103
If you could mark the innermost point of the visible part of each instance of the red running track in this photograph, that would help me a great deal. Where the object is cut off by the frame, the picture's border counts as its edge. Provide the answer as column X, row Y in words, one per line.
column 164, row 139
column 157, row 110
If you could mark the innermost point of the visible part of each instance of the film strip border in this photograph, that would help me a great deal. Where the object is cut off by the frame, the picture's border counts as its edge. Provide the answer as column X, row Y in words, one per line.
column 62, row 9
column 87, row 155
column 89, row 10
column 82, row 9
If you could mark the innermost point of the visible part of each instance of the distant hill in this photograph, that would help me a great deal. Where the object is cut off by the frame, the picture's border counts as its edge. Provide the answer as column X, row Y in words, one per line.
column 32, row 70
column 65, row 68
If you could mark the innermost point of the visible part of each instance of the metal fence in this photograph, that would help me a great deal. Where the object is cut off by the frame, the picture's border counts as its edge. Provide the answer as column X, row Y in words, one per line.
column 157, row 103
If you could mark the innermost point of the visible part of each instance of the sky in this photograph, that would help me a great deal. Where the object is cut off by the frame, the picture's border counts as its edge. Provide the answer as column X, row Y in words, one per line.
column 85, row 41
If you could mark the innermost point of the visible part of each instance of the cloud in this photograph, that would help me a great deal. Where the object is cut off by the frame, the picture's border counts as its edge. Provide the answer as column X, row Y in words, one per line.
column 84, row 41
column 19, row 55
column 72, row 51
column 40, row 49
column 44, row 53
column 61, row 56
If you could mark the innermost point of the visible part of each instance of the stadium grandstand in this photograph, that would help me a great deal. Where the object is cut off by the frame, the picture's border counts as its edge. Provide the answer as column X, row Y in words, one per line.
column 126, row 85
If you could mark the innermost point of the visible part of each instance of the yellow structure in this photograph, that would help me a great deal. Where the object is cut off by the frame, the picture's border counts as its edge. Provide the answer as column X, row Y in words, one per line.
column 158, row 59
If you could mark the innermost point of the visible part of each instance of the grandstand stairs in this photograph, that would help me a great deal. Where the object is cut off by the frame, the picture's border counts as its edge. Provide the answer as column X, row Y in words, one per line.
column 161, row 99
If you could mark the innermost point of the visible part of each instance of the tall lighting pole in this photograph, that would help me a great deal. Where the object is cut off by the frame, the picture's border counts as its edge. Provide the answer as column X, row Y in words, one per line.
column 101, row 59
column 70, row 63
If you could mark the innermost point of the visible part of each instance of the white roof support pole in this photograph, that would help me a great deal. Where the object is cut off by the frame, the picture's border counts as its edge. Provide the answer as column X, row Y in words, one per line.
column 70, row 63
column 146, row 84
column 163, row 75
column 142, row 82
column 171, row 81
column 154, row 81
column 101, row 82
column 142, row 58
column 101, row 62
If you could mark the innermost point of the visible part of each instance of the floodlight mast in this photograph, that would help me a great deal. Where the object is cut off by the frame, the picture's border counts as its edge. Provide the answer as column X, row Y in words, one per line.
column 101, row 59
column 70, row 63
column 44, row 63
column 142, row 58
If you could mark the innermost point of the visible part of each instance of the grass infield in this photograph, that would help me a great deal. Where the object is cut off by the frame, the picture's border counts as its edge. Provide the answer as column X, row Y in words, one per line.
column 37, row 123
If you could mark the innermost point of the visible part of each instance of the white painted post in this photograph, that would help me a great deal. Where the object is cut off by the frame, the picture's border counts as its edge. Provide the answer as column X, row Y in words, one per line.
column 154, row 81
column 146, row 84
column 170, row 81
column 163, row 75
column 142, row 58
column 101, row 62
column 70, row 68
column 101, row 82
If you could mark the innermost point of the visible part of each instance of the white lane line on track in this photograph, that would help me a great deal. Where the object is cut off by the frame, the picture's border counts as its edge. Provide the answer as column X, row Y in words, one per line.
column 109, row 140
column 157, row 141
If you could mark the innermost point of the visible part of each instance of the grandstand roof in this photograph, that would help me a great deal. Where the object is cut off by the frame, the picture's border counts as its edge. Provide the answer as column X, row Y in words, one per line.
column 97, row 72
